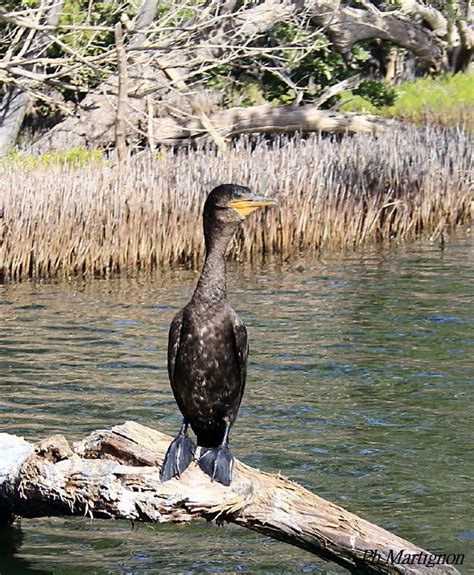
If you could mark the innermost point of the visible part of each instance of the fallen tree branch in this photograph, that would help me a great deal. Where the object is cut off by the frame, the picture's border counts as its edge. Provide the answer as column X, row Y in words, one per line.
column 267, row 118
column 263, row 119
column 115, row 474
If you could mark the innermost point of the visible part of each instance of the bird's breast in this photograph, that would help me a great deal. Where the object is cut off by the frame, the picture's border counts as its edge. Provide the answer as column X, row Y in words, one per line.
column 207, row 347
column 206, row 375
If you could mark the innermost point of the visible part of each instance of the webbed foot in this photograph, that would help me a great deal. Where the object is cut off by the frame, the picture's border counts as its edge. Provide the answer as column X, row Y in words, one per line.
column 217, row 462
column 179, row 455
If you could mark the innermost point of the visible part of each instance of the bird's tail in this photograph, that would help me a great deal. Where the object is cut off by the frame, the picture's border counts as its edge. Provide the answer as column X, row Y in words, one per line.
column 207, row 435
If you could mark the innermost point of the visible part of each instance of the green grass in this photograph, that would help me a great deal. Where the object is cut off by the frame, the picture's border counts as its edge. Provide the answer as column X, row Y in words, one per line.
column 73, row 156
column 445, row 100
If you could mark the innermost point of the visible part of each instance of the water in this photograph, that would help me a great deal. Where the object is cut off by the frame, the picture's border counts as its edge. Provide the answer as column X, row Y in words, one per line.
column 360, row 388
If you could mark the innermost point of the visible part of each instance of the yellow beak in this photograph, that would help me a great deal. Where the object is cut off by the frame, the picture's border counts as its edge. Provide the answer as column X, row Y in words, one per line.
column 246, row 205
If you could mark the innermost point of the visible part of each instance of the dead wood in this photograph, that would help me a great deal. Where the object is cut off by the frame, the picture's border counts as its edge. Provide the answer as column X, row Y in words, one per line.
column 268, row 119
column 265, row 118
column 122, row 100
column 115, row 474
column 347, row 26
column 162, row 71
column 457, row 31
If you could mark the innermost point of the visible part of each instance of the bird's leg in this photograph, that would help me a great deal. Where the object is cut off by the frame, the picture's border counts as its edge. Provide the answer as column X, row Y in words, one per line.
column 218, row 462
column 179, row 455
column 225, row 439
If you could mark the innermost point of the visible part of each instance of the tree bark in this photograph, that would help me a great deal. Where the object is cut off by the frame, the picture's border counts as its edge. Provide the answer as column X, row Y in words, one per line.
column 15, row 100
column 347, row 26
column 115, row 474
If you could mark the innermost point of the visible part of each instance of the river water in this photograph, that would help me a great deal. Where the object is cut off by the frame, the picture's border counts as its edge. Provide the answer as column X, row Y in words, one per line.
column 360, row 388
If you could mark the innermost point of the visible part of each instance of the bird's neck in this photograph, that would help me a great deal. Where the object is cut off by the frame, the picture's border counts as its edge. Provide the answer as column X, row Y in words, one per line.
column 211, row 286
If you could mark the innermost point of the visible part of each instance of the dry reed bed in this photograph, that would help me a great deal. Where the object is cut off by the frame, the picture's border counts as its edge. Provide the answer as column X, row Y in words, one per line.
column 334, row 192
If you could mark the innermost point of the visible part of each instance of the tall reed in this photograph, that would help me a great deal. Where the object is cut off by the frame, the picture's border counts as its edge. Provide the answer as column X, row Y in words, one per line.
column 61, row 220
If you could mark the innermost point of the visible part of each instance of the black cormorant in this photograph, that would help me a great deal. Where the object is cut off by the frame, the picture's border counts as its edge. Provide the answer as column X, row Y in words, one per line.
column 207, row 346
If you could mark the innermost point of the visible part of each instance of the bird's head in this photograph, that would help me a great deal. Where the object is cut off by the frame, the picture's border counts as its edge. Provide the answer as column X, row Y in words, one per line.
column 230, row 203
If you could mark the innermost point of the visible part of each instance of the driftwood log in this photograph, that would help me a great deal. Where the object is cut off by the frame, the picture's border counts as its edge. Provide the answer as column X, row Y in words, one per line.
column 115, row 474
column 265, row 118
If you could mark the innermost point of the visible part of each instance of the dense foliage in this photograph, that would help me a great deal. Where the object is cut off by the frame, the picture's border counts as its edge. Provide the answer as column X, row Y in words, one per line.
column 306, row 73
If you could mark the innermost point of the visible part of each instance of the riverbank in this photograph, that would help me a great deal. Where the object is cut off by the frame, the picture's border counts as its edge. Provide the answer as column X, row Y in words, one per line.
column 334, row 192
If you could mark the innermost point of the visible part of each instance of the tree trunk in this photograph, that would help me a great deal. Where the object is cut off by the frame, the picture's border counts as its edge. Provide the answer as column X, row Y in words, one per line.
column 144, row 19
column 457, row 30
column 115, row 474
column 12, row 112
column 461, row 57
column 15, row 100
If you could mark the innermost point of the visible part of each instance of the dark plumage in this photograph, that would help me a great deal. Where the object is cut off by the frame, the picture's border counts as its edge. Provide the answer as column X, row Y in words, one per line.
column 207, row 348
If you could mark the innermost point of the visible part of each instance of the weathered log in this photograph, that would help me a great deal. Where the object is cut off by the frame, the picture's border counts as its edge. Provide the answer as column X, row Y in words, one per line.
column 267, row 118
column 115, row 474
column 263, row 119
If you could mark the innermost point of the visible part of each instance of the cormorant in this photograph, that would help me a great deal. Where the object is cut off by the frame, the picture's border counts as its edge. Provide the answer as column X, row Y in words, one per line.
column 207, row 346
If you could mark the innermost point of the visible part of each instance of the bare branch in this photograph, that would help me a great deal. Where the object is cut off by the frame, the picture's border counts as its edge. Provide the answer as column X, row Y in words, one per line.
column 120, row 143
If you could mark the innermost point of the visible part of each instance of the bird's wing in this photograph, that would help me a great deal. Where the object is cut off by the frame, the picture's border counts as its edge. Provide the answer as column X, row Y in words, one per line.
column 173, row 342
column 241, row 347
